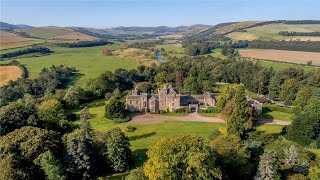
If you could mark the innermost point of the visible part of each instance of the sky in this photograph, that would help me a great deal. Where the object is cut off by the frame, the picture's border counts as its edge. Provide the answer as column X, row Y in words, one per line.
column 112, row 13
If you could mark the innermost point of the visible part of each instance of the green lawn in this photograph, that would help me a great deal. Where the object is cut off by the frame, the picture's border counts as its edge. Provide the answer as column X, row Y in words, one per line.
column 145, row 135
column 270, row 128
column 88, row 60
column 274, row 112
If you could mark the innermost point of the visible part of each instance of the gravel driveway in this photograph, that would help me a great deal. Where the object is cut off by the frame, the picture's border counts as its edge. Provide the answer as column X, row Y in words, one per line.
column 194, row 117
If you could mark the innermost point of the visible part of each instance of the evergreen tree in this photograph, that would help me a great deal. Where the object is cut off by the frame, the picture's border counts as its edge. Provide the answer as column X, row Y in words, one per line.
column 85, row 124
column 240, row 120
column 267, row 167
column 274, row 88
column 118, row 150
column 51, row 166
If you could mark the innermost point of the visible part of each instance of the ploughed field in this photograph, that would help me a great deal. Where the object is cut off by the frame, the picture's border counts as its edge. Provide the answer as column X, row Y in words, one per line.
column 8, row 73
column 297, row 57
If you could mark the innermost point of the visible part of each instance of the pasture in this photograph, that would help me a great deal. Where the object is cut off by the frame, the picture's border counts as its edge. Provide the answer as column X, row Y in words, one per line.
column 8, row 73
column 88, row 61
column 298, row 57
column 271, row 32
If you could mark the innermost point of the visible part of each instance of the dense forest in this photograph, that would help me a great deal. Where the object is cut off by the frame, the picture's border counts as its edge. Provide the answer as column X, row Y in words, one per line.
column 83, row 44
column 41, row 50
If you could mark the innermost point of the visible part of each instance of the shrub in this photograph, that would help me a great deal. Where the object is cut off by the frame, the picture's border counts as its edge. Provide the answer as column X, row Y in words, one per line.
column 210, row 110
column 121, row 120
column 309, row 63
column 182, row 110
column 130, row 129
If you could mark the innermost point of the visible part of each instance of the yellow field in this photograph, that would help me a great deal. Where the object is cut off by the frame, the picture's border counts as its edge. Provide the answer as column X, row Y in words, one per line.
column 7, row 37
column 298, row 57
column 8, row 73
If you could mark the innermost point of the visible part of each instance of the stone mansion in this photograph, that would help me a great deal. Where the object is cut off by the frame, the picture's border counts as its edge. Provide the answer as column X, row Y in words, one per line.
column 168, row 98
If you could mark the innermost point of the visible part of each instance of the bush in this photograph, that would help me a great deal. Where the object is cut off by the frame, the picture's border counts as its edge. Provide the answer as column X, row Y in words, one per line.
column 209, row 110
column 130, row 129
column 182, row 110
column 122, row 120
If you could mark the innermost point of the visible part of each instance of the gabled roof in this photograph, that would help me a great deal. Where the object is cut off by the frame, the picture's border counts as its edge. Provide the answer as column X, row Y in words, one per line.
column 173, row 91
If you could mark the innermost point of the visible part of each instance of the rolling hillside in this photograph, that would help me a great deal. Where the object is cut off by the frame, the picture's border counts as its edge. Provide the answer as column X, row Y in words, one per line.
column 53, row 32
column 271, row 32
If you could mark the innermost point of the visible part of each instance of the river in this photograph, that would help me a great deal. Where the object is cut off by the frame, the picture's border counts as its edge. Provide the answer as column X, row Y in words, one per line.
column 159, row 58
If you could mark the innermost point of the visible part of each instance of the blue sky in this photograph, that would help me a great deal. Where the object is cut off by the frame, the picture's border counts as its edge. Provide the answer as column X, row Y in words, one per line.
column 111, row 13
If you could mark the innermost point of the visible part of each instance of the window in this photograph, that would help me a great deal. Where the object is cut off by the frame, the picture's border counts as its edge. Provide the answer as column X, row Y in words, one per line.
column 130, row 102
column 172, row 104
column 144, row 104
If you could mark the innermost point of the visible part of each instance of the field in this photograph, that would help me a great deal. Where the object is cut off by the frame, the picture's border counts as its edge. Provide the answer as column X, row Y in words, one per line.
column 57, row 33
column 277, row 66
column 8, row 73
column 142, row 56
column 236, row 26
column 270, row 32
column 297, row 57
column 7, row 37
column 89, row 61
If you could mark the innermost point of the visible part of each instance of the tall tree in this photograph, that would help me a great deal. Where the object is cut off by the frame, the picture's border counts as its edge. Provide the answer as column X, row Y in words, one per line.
column 51, row 166
column 241, row 118
column 85, row 124
column 118, row 150
column 181, row 157
column 268, row 168
column 289, row 91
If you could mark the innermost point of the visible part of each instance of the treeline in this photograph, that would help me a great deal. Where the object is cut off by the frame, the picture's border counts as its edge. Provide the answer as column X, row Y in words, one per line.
column 83, row 44
column 24, row 70
column 194, row 48
column 49, row 80
column 310, row 46
column 144, row 45
column 293, row 33
column 41, row 50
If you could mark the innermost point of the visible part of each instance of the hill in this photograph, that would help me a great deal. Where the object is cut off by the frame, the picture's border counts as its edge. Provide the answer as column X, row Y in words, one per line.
column 8, row 26
column 271, row 32
column 262, row 30
column 53, row 32
column 9, row 37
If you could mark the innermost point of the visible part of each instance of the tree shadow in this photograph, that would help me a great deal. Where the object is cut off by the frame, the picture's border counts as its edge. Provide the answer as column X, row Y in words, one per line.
column 74, row 79
column 139, row 157
column 133, row 138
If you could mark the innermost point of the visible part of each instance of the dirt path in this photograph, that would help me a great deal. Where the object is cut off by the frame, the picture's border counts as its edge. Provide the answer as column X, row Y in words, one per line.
column 194, row 117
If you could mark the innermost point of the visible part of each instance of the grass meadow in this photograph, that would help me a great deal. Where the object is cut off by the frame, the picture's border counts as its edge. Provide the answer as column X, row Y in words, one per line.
column 88, row 61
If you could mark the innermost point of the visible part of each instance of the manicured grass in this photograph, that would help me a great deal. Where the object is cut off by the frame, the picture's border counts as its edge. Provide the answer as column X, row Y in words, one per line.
column 270, row 128
column 89, row 61
column 274, row 112
column 277, row 115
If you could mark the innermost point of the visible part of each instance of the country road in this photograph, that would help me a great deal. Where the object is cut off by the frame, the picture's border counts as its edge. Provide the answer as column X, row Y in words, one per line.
column 194, row 117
